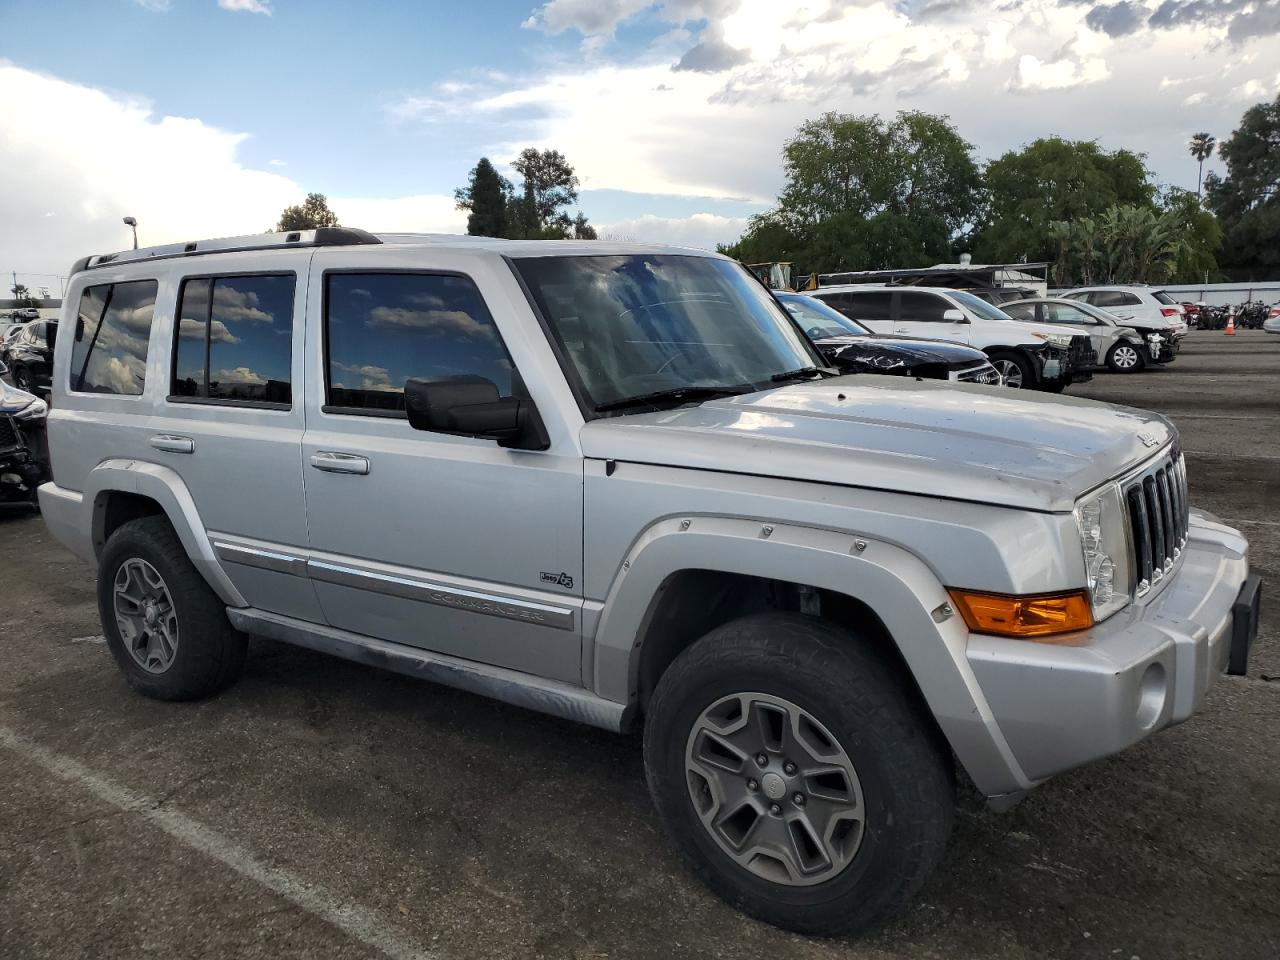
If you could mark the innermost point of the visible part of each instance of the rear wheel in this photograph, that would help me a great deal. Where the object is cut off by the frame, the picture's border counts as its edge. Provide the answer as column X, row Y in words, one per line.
column 1125, row 358
column 1014, row 369
column 166, row 629
column 797, row 774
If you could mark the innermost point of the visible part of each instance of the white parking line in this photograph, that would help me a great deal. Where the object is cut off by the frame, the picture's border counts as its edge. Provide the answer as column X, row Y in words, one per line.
column 356, row 921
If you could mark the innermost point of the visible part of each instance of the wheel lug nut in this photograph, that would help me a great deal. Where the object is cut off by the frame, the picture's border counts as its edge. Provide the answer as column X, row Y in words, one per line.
column 752, row 785
column 798, row 799
column 762, row 759
column 775, row 809
column 789, row 769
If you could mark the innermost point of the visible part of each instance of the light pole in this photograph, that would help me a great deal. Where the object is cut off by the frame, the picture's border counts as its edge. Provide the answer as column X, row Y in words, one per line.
column 133, row 222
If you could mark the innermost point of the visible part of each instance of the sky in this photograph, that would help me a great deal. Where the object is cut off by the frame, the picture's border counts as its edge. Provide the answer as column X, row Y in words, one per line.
column 205, row 118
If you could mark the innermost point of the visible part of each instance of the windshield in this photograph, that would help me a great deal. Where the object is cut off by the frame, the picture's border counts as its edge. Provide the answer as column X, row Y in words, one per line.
column 818, row 320
column 632, row 325
column 977, row 306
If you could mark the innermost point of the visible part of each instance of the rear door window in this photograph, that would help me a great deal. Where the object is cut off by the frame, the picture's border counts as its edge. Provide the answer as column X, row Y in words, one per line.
column 113, row 331
column 871, row 305
column 1113, row 298
column 235, row 339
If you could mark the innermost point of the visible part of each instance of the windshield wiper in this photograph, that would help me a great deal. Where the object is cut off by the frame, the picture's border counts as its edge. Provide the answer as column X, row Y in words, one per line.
column 804, row 373
column 680, row 394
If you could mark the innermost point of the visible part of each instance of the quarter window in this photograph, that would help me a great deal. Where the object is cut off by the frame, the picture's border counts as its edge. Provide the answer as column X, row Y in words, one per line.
column 113, row 329
column 383, row 329
column 235, row 339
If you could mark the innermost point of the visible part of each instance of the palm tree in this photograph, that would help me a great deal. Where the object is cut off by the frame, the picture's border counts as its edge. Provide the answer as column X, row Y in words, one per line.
column 1202, row 149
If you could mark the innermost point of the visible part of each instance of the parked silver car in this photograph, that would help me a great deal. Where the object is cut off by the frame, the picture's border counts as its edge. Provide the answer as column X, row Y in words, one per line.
column 1121, row 348
column 617, row 483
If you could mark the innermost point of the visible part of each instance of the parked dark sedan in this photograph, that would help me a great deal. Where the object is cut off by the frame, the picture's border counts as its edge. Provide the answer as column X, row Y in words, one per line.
column 24, row 452
column 30, row 356
column 852, row 348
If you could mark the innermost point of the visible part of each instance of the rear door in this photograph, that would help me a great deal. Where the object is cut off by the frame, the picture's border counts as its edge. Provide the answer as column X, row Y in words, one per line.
column 229, row 418
column 921, row 315
column 1121, row 303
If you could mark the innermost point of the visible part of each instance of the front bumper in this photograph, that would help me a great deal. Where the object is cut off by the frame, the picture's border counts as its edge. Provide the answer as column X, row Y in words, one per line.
column 1146, row 668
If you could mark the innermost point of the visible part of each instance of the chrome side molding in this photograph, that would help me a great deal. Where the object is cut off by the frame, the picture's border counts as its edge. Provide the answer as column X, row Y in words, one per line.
column 498, row 683
column 349, row 574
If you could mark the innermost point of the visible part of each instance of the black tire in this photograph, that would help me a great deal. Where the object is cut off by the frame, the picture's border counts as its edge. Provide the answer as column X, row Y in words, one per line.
column 1134, row 367
column 210, row 654
column 22, row 380
column 1029, row 379
column 903, row 765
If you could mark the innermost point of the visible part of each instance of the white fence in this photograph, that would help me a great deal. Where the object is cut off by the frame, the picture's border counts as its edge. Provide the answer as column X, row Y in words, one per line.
column 1226, row 294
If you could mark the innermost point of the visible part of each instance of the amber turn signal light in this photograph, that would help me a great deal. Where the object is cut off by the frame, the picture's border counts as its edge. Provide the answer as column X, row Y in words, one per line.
column 1034, row 617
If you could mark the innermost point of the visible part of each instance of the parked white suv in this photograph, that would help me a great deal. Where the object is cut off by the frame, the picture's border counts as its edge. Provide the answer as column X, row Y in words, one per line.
column 1150, row 306
column 616, row 483
column 1042, row 356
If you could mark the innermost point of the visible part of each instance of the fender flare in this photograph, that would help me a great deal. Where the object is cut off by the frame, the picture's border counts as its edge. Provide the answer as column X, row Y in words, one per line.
column 897, row 585
column 165, row 487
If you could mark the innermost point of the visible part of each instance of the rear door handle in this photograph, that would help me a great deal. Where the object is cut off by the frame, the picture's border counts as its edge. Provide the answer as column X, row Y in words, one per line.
column 332, row 462
column 173, row 444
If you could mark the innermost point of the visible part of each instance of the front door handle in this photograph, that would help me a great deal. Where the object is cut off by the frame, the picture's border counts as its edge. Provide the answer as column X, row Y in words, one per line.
column 173, row 444
column 331, row 462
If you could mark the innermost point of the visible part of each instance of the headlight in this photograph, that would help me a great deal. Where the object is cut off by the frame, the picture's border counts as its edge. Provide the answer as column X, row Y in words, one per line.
column 1057, row 339
column 34, row 410
column 1104, row 541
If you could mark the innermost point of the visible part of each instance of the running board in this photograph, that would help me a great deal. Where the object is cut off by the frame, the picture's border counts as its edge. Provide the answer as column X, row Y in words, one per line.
column 509, row 686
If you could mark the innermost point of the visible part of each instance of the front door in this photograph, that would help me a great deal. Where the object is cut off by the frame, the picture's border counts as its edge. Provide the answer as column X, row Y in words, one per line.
column 1094, row 329
column 444, row 542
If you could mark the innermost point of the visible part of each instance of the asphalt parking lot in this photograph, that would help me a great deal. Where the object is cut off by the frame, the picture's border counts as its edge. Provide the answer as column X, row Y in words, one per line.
column 322, row 809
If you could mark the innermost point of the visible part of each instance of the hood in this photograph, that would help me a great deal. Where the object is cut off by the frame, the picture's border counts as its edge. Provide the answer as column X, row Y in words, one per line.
column 1161, row 325
column 1058, row 329
column 901, row 352
column 1020, row 449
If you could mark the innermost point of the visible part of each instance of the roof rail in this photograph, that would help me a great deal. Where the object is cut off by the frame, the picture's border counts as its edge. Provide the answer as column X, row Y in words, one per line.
column 320, row 237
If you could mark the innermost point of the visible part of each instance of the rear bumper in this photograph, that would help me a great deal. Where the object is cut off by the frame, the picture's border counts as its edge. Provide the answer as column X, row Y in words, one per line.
column 1144, row 669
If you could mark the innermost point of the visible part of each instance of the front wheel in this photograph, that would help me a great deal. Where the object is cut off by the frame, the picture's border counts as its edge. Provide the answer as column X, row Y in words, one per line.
column 1125, row 358
column 22, row 380
column 1015, row 371
column 798, row 774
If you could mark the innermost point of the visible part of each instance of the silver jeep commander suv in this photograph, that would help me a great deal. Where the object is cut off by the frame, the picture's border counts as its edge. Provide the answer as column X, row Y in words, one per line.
column 616, row 483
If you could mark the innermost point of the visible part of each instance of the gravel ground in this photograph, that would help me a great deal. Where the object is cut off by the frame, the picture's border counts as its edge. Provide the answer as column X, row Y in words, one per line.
column 321, row 809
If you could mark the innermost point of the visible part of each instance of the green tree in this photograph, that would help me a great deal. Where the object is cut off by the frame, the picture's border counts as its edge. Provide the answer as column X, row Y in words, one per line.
column 1201, row 147
column 1247, row 199
column 1202, row 232
column 863, row 192
column 486, row 196
column 582, row 230
column 313, row 212
column 22, row 296
column 1136, row 243
column 548, row 184
column 1053, row 180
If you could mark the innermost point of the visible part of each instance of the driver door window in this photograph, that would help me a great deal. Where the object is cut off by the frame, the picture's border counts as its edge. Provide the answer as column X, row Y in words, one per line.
column 921, row 315
column 1063, row 313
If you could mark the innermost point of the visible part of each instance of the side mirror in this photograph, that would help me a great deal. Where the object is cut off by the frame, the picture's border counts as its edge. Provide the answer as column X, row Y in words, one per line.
column 953, row 316
column 471, row 407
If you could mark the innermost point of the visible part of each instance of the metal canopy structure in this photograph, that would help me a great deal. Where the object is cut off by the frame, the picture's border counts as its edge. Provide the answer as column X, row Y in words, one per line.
column 958, row 275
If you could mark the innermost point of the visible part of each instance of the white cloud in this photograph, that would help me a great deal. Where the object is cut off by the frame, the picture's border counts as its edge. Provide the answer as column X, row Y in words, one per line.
column 247, row 6
column 159, row 6
column 1035, row 74
column 179, row 176
column 277, row 163
column 701, row 230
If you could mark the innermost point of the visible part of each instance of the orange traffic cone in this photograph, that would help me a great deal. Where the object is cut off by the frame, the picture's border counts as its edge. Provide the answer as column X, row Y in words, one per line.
column 1231, row 325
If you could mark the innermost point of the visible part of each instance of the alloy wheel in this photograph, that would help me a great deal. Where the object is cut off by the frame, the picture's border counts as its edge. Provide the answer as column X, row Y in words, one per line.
column 1010, row 373
column 145, row 615
column 774, row 789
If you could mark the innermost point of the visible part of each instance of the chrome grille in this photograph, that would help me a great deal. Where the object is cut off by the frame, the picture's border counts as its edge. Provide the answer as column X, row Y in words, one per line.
column 980, row 372
column 1158, row 519
column 9, row 436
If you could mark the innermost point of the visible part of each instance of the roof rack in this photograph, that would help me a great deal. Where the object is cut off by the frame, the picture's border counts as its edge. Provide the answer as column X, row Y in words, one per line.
column 320, row 237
